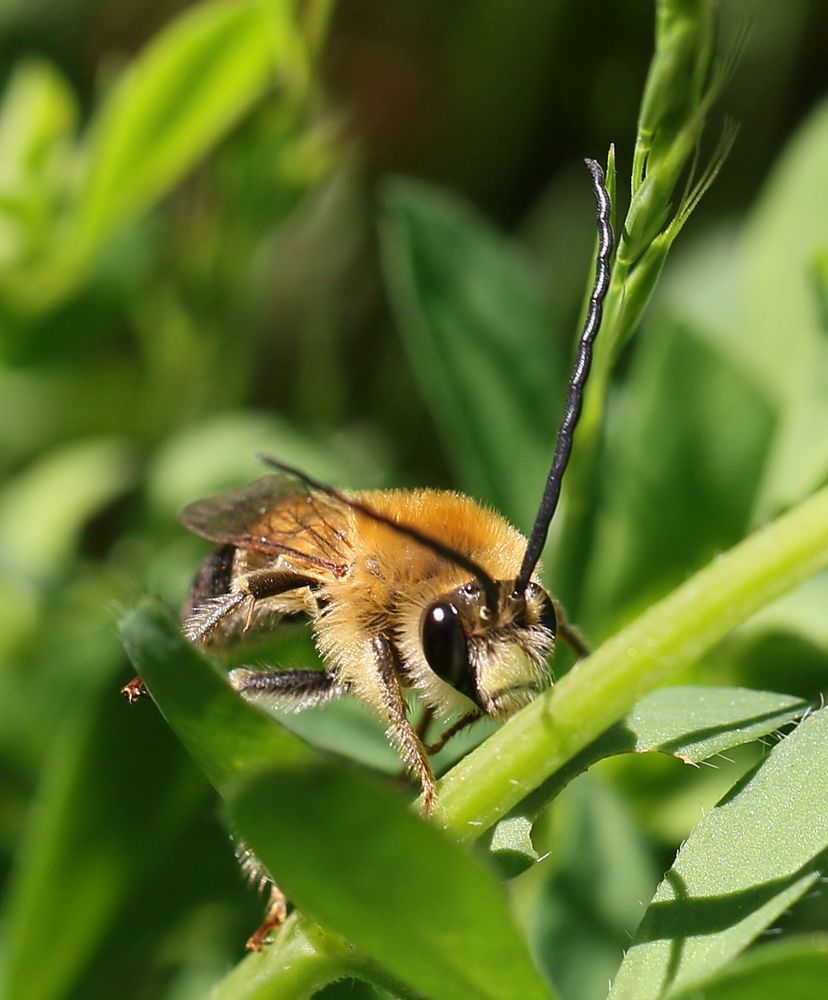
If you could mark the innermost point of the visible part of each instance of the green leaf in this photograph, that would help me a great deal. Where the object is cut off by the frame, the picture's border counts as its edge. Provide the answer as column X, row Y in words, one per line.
column 37, row 118
column 694, row 723
column 43, row 511
column 510, row 846
column 185, row 91
column 690, row 723
column 801, row 613
column 358, row 861
column 229, row 739
column 745, row 863
column 786, row 344
column 672, row 500
column 796, row 969
column 226, row 736
column 772, row 329
column 348, row 727
column 37, row 121
column 480, row 340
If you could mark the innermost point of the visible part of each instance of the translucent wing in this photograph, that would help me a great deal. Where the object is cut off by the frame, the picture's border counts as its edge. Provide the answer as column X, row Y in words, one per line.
column 277, row 516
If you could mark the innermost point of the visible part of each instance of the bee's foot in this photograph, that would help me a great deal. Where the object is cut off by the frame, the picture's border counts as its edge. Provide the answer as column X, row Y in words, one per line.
column 134, row 690
column 274, row 918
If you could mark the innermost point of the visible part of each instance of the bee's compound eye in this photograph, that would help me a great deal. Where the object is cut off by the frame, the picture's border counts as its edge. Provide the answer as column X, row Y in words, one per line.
column 548, row 616
column 444, row 645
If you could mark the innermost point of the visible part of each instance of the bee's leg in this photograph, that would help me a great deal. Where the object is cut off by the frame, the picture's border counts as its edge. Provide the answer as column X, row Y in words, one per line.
column 287, row 690
column 134, row 690
column 205, row 614
column 458, row 726
column 276, row 913
column 571, row 635
column 400, row 731
column 200, row 620
column 198, row 624
column 274, row 918
column 206, row 617
column 425, row 722
column 208, row 607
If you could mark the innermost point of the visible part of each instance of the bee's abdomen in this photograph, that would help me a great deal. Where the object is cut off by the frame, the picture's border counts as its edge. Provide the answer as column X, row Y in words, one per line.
column 212, row 580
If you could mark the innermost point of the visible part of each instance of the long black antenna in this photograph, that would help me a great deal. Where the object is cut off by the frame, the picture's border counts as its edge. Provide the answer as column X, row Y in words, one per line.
column 577, row 381
column 490, row 588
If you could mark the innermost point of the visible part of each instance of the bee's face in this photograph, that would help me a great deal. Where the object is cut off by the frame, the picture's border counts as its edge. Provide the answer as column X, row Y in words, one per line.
column 495, row 657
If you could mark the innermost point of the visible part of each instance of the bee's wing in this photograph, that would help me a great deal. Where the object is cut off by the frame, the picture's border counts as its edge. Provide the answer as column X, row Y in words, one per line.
column 277, row 516
column 226, row 517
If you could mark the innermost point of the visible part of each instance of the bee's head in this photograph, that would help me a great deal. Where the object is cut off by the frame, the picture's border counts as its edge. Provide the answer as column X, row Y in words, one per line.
column 493, row 652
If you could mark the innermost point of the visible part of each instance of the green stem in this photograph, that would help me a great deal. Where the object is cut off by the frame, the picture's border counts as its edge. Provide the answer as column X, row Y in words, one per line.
column 302, row 959
column 650, row 651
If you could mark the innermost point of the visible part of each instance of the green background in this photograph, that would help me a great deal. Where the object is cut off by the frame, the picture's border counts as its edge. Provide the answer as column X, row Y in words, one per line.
column 359, row 240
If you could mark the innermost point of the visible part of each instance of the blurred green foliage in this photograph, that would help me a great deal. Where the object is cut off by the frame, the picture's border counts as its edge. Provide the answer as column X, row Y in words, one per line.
column 204, row 255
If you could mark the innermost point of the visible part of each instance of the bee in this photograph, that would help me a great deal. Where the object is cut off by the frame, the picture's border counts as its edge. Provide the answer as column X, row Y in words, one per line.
column 407, row 591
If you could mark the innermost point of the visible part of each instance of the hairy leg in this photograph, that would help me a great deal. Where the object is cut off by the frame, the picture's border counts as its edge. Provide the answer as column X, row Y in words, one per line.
column 202, row 619
column 287, row 690
column 206, row 611
column 293, row 691
column 573, row 638
column 458, row 727
column 400, row 731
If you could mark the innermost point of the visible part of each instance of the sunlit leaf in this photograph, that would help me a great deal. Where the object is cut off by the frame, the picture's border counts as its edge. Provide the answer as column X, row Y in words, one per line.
column 681, row 478
column 754, row 294
column 780, row 298
column 221, row 452
column 691, row 723
column 37, row 116
column 695, row 723
column 510, row 846
column 796, row 969
column 192, row 83
column 37, row 120
column 746, row 862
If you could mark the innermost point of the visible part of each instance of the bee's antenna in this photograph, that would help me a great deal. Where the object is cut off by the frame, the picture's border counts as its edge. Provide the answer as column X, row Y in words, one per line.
column 577, row 381
column 490, row 587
